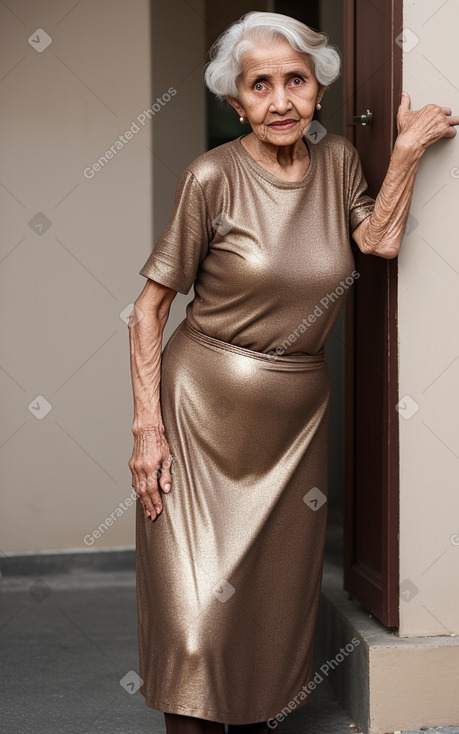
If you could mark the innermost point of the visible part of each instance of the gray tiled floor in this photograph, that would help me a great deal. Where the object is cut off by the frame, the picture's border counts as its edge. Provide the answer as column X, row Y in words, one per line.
column 66, row 642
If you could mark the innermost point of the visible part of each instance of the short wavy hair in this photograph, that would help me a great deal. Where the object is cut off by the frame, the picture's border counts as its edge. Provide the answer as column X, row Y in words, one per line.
column 224, row 68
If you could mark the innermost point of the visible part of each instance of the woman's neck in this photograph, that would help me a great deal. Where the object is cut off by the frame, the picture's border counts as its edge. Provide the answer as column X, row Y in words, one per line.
column 286, row 161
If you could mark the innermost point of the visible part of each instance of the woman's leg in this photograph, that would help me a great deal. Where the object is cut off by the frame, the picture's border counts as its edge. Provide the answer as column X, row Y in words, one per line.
column 260, row 727
column 179, row 724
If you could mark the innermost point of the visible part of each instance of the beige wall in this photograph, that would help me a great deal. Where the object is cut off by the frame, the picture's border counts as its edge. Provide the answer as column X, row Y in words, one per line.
column 179, row 133
column 429, row 342
column 63, row 287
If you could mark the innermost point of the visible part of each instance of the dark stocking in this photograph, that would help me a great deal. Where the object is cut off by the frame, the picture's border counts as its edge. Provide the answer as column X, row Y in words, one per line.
column 260, row 727
column 179, row 724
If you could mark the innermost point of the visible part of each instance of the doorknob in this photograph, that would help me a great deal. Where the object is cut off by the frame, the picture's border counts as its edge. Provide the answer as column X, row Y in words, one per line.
column 363, row 119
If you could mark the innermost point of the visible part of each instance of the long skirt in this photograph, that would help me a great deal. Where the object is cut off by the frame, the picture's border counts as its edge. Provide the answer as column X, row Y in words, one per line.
column 229, row 575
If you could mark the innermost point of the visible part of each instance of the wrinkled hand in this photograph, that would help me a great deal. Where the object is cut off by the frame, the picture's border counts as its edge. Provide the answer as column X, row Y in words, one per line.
column 150, row 466
column 420, row 128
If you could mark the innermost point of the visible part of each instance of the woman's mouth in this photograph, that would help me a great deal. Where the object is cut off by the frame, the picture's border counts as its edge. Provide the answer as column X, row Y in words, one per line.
column 283, row 124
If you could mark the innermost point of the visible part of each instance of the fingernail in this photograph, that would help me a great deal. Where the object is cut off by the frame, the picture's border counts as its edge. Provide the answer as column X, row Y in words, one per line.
column 158, row 510
column 167, row 487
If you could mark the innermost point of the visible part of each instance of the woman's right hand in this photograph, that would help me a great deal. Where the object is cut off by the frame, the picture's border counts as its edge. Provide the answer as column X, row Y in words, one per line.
column 151, row 459
column 150, row 465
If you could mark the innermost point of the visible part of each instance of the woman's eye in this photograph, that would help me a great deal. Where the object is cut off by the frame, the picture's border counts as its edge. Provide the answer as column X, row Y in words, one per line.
column 258, row 86
column 297, row 80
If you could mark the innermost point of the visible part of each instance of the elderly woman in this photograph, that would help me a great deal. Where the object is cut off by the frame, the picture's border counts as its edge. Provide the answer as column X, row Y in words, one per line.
column 230, row 542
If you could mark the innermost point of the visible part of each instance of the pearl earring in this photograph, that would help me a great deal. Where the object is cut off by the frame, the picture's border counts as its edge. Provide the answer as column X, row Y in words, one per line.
column 242, row 120
column 318, row 106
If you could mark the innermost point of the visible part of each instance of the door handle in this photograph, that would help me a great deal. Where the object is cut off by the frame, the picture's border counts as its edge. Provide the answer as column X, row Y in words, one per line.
column 363, row 119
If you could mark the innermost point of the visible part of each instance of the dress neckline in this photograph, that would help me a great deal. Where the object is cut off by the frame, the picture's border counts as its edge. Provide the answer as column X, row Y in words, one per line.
column 268, row 176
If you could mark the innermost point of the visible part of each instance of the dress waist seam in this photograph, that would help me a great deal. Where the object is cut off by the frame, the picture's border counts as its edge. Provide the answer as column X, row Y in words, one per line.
column 271, row 358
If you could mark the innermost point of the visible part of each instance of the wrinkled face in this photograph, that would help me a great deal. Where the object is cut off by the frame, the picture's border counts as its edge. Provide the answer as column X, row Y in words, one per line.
column 278, row 92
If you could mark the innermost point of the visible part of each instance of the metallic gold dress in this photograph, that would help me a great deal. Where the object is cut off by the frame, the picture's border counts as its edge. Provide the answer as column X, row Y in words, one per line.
column 229, row 575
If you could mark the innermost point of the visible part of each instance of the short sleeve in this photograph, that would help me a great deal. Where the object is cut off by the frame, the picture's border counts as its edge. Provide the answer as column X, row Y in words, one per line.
column 183, row 244
column 360, row 204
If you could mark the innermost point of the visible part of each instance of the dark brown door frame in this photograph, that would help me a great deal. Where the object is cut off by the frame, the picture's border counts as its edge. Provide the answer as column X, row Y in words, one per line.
column 371, row 575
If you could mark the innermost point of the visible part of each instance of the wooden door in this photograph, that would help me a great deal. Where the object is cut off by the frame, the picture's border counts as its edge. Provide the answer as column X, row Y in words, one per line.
column 371, row 559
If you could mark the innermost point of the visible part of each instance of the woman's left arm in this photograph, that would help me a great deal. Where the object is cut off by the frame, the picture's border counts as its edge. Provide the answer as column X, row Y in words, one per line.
column 382, row 232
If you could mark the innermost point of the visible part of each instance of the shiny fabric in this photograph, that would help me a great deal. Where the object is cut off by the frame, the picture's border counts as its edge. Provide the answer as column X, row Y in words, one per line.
column 264, row 254
column 229, row 575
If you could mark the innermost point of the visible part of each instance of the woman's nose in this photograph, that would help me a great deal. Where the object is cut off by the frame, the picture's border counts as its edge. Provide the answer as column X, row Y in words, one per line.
column 280, row 101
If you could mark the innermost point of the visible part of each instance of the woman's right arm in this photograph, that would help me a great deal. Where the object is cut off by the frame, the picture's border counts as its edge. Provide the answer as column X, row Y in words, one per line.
column 151, row 451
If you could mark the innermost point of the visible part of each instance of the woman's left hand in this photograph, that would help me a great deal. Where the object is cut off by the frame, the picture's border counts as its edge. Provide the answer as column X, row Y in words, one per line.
column 417, row 129
column 381, row 233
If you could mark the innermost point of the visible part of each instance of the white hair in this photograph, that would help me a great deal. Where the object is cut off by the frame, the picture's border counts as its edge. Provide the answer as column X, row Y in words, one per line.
column 223, row 69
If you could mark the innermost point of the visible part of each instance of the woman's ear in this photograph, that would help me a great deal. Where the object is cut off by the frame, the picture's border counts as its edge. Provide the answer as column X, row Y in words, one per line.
column 235, row 103
column 321, row 92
